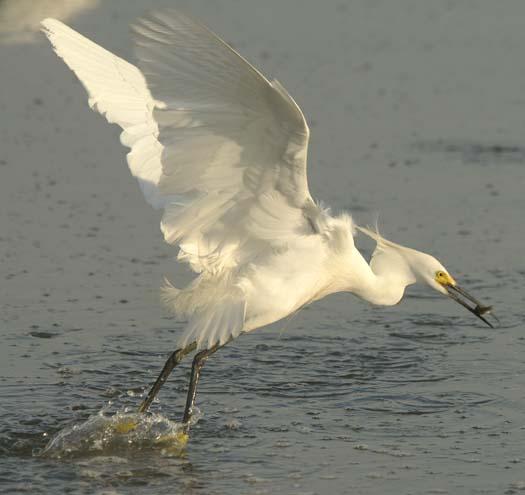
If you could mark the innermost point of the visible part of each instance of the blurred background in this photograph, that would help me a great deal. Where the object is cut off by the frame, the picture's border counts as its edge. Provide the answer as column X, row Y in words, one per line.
column 417, row 115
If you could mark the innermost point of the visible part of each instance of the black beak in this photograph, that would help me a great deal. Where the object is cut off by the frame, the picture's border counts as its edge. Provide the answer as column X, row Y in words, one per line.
column 479, row 310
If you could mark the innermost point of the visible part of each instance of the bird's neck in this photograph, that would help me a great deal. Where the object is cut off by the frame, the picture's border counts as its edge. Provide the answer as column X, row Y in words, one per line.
column 383, row 283
column 385, row 289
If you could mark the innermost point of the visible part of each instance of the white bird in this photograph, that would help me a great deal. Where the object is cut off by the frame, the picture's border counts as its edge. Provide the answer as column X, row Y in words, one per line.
column 222, row 150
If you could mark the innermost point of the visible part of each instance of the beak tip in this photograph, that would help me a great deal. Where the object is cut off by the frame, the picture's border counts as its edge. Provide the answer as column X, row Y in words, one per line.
column 478, row 310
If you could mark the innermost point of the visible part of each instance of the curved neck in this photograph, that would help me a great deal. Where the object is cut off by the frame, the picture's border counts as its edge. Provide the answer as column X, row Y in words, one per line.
column 384, row 289
column 382, row 283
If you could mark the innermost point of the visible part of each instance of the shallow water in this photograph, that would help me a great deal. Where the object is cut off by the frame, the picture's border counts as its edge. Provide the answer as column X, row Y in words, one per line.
column 416, row 111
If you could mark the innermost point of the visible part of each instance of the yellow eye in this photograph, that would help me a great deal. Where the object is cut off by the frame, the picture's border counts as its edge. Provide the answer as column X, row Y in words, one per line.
column 444, row 278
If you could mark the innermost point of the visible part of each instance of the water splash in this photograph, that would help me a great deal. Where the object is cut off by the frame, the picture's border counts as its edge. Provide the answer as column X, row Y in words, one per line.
column 103, row 434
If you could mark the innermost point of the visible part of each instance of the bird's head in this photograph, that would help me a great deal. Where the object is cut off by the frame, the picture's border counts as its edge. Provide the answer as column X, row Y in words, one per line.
column 416, row 266
column 429, row 270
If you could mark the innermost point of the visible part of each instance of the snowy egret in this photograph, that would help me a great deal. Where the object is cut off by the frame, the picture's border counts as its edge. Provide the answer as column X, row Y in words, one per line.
column 222, row 150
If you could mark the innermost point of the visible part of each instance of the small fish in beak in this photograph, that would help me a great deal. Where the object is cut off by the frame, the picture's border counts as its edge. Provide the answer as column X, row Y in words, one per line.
column 454, row 291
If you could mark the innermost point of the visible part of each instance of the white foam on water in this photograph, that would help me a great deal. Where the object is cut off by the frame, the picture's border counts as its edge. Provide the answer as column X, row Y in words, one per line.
column 103, row 434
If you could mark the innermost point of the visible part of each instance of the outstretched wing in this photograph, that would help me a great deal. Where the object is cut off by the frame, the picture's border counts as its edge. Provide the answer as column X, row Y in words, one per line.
column 213, row 142
column 234, row 145
column 117, row 90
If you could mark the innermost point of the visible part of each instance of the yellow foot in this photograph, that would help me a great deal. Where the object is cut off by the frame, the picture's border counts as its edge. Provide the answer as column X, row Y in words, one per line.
column 125, row 426
column 180, row 438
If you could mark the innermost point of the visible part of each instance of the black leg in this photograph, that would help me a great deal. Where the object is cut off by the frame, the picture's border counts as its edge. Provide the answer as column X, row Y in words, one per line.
column 198, row 362
column 174, row 359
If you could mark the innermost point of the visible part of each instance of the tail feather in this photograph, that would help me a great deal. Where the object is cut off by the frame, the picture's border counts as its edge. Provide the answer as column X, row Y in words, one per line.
column 215, row 312
column 215, row 325
column 169, row 295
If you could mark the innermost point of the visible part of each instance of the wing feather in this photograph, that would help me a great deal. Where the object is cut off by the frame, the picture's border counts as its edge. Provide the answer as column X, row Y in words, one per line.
column 218, row 146
column 117, row 90
column 234, row 145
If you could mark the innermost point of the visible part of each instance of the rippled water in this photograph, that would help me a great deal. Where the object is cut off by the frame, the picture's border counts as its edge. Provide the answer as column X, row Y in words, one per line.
column 420, row 119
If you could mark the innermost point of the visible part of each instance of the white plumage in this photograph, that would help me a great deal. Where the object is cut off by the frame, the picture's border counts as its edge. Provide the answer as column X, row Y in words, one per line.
column 223, row 151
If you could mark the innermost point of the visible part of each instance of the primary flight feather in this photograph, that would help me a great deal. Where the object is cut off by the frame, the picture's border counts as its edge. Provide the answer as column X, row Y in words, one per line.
column 223, row 151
